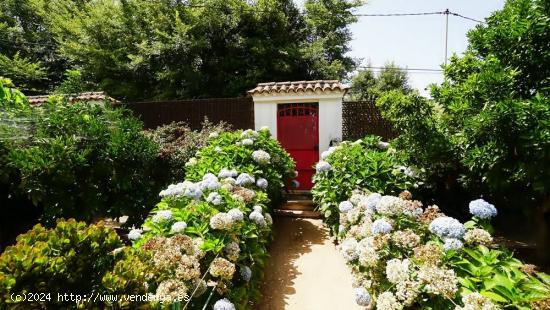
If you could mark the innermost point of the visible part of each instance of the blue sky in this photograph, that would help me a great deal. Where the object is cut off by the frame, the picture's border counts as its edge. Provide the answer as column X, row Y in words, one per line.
column 415, row 41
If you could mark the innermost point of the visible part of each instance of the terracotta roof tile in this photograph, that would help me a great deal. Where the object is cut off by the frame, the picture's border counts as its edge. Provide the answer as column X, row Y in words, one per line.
column 87, row 96
column 298, row 86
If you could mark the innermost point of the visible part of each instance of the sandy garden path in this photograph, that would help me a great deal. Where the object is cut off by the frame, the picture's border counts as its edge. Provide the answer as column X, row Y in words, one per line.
column 305, row 271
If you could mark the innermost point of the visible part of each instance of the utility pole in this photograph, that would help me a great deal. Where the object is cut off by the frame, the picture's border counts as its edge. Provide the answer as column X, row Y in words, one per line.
column 447, row 12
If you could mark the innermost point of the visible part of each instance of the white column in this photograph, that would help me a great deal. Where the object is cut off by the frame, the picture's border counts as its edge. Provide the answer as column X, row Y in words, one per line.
column 265, row 114
column 330, row 121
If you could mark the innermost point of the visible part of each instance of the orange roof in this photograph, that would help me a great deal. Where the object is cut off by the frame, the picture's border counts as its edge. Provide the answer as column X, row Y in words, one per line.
column 298, row 86
column 87, row 96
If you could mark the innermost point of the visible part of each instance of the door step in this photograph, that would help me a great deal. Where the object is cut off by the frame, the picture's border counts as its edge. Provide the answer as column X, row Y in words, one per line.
column 297, row 213
column 299, row 205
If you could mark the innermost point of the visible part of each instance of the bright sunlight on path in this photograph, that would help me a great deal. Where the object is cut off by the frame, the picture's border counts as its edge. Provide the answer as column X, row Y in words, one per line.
column 305, row 271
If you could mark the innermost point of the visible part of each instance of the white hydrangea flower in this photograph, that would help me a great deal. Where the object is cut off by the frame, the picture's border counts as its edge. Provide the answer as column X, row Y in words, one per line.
column 349, row 249
column 191, row 162
column 173, row 190
column 134, row 234
column 387, row 301
column 224, row 304
column 221, row 221
column 249, row 133
column 209, row 182
column 268, row 219
column 383, row 145
column 213, row 134
column 247, row 142
column 390, row 205
column 261, row 157
column 258, row 209
column 397, row 270
column 178, row 227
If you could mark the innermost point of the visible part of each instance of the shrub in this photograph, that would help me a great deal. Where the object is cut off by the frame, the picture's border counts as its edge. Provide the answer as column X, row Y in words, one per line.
column 407, row 256
column 178, row 143
column 365, row 163
column 70, row 258
column 214, row 227
column 76, row 160
column 244, row 151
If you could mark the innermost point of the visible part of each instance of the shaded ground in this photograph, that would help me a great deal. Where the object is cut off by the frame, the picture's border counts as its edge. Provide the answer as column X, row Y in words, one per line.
column 305, row 271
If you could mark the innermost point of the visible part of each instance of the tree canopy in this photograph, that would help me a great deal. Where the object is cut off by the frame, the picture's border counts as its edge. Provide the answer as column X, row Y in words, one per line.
column 162, row 49
column 367, row 84
column 489, row 122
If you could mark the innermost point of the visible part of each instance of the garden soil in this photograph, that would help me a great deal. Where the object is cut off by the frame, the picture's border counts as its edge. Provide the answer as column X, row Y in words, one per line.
column 305, row 270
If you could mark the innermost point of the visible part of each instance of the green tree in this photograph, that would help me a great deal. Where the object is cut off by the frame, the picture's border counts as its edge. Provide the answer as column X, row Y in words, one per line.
column 29, row 54
column 366, row 84
column 139, row 49
column 491, row 115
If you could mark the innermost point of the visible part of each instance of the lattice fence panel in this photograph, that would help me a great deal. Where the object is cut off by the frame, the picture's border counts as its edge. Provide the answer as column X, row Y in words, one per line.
column 238, row 112
column 361, row 118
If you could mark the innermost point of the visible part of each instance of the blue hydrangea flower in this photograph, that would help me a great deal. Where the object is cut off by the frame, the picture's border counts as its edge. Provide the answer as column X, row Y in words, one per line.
column 224, row 304
column 162, row 215
column 245, row 179
column 322, row 166
column 345, row 206
column 227, row 173
column 210, row 182
column 193, row 190
column 482, row 209
column 214, row 198
column 236, row 215
column 362, row 297
column 381, row 226
column 452, row 244
column 178, row 227
column 372, row 200
column 246, row 273
column 447, row 227
column 257, row 218
column 262, row 183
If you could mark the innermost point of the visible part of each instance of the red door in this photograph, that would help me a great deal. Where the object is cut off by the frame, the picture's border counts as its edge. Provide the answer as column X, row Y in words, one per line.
column 298, row 133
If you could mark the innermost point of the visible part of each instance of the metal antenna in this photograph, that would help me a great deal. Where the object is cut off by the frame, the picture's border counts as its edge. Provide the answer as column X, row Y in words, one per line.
column 446, row 12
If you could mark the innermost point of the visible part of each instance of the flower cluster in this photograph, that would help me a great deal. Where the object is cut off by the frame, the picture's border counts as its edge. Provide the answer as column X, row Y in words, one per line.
column 482, row 209
column 261, row 157
column 398, row 257
column 322, row 166
column 224, row 201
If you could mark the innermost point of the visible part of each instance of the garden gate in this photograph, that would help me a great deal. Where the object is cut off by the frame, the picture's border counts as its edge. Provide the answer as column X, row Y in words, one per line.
column 298, row 133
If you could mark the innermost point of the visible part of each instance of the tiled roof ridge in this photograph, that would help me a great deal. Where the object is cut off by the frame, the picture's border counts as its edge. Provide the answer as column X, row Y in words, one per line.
column 298, row 86
column 91, row 95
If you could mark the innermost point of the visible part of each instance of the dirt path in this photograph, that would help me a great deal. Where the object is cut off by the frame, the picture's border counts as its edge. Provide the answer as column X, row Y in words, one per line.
column 305, row 271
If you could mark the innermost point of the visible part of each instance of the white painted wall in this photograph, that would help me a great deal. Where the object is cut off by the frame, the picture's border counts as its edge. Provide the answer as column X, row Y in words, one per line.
column 330, row 112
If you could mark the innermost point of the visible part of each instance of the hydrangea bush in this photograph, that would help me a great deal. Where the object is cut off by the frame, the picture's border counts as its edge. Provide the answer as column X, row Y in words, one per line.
column 406, row 256
column 207, row 237
column 366, row 163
